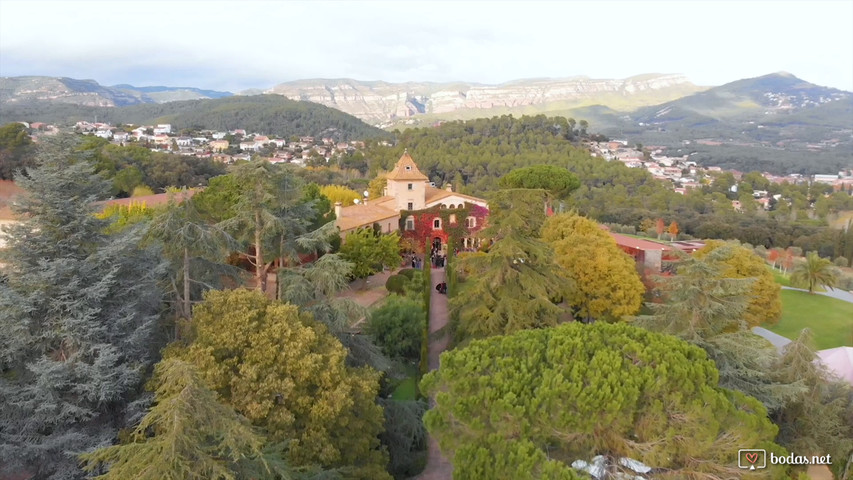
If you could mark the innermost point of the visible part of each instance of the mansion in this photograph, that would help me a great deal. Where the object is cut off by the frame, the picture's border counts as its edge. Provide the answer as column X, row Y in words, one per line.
column 419, row 211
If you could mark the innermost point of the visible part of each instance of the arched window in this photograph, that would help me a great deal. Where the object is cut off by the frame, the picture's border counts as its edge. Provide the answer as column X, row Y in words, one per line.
column 471, row 222
column 436, row 224
column 442, row 206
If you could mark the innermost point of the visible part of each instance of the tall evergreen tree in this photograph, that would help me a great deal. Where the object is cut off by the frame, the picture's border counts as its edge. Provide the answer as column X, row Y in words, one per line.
column 193, row 247
column 188, row 434
column 517, row 281
column 314, row 288
column 78, row 311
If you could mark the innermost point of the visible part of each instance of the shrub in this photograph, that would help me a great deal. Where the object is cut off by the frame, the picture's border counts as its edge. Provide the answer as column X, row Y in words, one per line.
column 396, row 326
column 396, row 284
column 840, row 261
column 408, row 273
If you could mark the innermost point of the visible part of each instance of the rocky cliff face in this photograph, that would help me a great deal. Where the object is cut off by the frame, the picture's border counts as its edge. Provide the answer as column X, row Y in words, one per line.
column 380, row 102
column 64, row 90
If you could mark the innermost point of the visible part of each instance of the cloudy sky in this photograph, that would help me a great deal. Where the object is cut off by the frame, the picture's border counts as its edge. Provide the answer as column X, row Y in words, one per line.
column 235, row 45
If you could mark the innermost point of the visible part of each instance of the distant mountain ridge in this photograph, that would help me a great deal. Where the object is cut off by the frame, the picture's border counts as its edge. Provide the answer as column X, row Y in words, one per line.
column 383, row 102
column 91, row 93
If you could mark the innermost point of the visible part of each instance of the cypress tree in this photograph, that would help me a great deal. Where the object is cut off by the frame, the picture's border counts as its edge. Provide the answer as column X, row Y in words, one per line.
column 78, row 310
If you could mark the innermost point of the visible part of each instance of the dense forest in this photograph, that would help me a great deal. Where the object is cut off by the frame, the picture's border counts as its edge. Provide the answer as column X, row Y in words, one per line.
column 272, row 115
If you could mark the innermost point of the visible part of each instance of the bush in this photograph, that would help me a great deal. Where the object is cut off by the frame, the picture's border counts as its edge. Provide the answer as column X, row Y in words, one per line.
column 397, row 325
column 396, row 284
column 840, row 262
column 408, row 272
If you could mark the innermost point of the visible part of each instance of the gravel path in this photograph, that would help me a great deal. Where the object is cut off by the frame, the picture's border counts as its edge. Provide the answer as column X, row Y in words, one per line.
column 438, row 467
column 832, row 292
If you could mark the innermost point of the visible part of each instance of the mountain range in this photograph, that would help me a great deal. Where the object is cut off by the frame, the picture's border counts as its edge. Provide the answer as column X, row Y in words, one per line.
column 768, row 122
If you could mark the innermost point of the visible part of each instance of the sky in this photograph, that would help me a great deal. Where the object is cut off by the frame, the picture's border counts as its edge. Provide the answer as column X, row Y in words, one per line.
column 237, row 45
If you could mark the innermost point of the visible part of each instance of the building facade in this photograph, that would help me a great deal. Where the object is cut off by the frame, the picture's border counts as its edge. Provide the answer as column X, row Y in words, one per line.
column 419, row 211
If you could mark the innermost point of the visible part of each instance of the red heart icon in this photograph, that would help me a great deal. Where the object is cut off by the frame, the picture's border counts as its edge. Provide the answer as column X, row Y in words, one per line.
column 752, row 457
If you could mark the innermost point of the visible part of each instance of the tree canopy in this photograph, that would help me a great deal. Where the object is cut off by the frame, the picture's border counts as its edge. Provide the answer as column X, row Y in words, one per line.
column 78, row 324
column 538, row 400
column 765, row 305
column 285, row 373
column 604, row 279
column 557, row 181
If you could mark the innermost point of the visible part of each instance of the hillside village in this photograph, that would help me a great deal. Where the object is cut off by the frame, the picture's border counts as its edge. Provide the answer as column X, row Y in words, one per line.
column 685, row 174
column 226, row 147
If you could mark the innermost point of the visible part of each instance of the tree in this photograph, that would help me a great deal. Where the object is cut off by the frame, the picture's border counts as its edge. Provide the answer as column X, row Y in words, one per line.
column 659, row 227
column 315, row 288
column 708, row 309
column 303, row 393
column 559, row 182
column 815, row 272
column 516, row 282
column 193, row 247
column 673, row 230
column 187, row 434
column 397, row 327
column 79, row 311
column 700, row 301
column 765, row 304
column 339, row 193
column 812, row 421
column 538, row 400
column 370, row 252
column 16, row 150
column 604, row 279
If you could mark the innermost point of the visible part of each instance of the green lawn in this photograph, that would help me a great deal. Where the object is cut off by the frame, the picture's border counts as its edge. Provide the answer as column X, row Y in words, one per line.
column 406, row 390
column 830, row 320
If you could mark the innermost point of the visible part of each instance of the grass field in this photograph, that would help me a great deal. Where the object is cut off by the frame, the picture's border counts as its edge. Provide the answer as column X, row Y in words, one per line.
column 830, row 319
column 406, row 390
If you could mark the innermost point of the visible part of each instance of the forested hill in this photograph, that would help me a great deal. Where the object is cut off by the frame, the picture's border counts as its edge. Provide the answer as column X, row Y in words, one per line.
column 478, row 152
column 271, row 115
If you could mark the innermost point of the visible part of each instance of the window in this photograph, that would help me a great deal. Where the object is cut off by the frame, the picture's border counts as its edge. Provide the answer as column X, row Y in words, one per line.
column 408, row 167
column 471, row 222
column 410, row 223
column 452, row 218
column 411, row 187
column 411, row 206
column 436, row 224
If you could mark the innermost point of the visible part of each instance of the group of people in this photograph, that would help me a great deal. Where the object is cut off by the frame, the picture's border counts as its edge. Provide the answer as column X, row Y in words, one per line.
column 441, row 288
column 438, row 259
column 416, row 261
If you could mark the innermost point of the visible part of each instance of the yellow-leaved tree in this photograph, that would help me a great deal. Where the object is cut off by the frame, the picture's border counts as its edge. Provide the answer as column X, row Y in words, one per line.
column 288, row 375
column 339, row 193
column 765, row 304
column 606, row 284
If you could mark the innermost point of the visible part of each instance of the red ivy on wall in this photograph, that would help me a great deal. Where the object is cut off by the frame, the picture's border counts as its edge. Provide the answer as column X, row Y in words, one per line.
column 424, row 223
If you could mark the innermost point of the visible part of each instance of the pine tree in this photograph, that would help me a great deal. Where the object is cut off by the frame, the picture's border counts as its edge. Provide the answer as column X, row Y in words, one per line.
column 193, row 247
column 314, row 288
column 517, row 282
column 536, row 401
column 187, row 434
column 78, row 311
column 814, row 420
